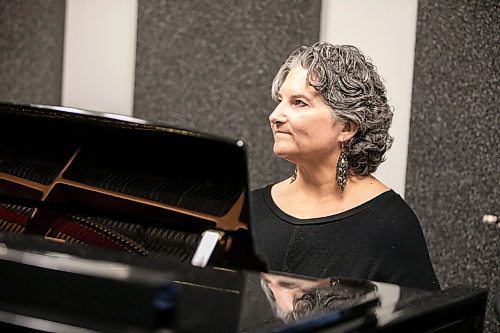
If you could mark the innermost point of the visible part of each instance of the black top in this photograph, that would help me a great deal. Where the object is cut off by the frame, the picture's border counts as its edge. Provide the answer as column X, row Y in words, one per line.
column 380, row 240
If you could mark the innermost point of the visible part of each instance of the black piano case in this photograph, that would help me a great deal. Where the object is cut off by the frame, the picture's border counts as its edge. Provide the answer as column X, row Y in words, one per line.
column 124, row 184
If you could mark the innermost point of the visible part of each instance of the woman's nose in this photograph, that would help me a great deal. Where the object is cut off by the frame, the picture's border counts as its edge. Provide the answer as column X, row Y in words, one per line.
column 277, row 116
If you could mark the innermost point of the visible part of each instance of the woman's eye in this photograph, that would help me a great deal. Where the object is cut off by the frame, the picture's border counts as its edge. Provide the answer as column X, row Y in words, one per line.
column 298, row 102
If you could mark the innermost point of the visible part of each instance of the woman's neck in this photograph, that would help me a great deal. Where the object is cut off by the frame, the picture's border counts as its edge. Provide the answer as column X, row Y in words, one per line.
column 316, row 180
column 315, row 193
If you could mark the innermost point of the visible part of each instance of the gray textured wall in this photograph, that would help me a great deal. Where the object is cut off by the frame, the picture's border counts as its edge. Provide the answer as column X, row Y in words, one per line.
column 208, row 65
column 31, row 49
column 453, row 174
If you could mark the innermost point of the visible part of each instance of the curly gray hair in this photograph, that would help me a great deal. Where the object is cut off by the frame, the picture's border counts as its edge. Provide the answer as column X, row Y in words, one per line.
column 352, row 88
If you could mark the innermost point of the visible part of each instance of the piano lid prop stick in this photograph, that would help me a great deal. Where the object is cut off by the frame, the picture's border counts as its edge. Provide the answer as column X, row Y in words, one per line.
column 206, row 247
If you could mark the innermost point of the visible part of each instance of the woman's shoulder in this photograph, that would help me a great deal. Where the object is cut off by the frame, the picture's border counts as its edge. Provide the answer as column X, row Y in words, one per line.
column 259, row 196
column 363, row 189
column 393, row 203
column 259, row 192
column 265, row 191
column 379, row 195
column 393, row 216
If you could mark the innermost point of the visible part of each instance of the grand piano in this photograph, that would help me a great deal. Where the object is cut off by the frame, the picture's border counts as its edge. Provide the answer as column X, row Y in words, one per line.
column 115, row 224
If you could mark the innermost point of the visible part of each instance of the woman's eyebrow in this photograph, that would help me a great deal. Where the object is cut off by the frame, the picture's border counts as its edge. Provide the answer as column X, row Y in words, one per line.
column 303, row 96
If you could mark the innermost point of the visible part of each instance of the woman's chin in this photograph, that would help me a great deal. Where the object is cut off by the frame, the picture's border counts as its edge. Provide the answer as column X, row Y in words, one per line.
column 284, row 153
column 280, row 152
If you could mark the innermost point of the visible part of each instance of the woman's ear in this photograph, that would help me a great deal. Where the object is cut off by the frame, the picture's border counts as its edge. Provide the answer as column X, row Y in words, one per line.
column 348, row 131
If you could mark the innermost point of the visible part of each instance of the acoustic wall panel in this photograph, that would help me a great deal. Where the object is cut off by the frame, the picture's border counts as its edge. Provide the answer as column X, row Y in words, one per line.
column 453, row 174
column 209, row 65
column 31, row 49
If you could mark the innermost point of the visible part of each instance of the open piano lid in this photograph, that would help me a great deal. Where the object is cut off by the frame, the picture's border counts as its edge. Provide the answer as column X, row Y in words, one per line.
column 121, row 183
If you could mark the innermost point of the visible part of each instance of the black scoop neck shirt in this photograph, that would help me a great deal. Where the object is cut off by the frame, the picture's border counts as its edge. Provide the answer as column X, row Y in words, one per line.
column 379, row 240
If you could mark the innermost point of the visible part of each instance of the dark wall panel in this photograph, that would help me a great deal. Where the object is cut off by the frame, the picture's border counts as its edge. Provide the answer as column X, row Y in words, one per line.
column 31, row 49
column 453, row 173
column 208, row 65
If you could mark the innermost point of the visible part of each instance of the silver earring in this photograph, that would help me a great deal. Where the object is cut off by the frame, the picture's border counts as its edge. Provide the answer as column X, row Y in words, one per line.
column 294, row 176
column 342, row 167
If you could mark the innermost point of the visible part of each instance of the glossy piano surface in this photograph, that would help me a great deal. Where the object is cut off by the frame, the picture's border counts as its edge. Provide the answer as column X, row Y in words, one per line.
column 183, row 298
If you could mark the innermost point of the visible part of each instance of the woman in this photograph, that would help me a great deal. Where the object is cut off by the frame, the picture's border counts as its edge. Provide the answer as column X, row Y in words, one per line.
column 332, row 217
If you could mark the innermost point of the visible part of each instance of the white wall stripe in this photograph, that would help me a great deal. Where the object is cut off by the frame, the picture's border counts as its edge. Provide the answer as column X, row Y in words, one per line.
column 99, row 55
column 385, row 31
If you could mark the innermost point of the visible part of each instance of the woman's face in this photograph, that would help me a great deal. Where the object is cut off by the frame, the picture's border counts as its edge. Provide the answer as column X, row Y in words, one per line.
column 302, row 123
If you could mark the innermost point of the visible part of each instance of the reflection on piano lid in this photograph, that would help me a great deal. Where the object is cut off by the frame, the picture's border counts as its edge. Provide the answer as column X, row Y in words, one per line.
column 305, row 305
column 290, row 303
column 125, row 184
column 37, row 288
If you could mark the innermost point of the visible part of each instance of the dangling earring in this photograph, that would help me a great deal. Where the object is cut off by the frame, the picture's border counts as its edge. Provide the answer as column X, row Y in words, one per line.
column 294, row 176
column 342, row 167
